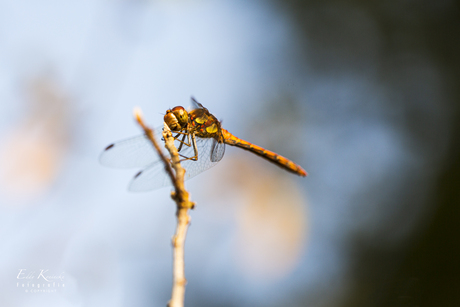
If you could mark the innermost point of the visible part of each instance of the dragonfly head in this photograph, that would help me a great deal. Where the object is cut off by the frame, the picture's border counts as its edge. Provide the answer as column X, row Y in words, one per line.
column 176, row 118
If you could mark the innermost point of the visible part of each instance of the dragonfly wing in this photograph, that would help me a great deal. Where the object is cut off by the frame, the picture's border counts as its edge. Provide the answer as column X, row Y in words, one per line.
column 137, row 151
column 151, row 178
column 205, row 159
column 196, row 104
column 155, row 176
column 217, row 151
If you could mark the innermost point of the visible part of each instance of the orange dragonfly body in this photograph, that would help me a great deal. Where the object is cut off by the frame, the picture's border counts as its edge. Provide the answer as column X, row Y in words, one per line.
column 200, row 141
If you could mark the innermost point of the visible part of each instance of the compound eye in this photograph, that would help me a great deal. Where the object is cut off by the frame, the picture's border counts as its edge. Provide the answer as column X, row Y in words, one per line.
column 178, row 109
column 181, row 114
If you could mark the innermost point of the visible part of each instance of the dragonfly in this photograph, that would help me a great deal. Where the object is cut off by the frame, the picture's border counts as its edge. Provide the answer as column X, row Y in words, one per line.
column 200, row 141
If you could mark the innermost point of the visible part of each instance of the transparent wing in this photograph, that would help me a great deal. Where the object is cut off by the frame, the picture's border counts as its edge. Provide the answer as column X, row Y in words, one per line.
column 151, row 178
column 210, row 152
column 196, row 104
column 217, row 151
column 133, row 152
column 137, row 151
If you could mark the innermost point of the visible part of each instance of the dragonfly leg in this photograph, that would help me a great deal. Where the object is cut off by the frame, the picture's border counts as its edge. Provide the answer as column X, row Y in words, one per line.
column 194, row 147
column 188, row 158
column 182, row 142
column 195, row 157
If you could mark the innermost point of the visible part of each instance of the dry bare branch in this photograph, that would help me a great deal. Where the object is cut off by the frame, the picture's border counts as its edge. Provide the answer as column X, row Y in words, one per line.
column 181, row 197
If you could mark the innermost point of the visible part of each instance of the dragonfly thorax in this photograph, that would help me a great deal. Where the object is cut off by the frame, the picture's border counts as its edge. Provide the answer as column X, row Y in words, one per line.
column 205, row 125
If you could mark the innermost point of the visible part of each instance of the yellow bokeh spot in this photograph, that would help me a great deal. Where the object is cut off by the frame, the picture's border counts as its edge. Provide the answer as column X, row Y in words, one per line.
column 271, row 212
column 32, row 152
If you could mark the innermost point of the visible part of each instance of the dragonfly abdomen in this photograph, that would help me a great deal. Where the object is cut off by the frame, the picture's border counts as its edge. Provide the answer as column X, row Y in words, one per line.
column 271, row 156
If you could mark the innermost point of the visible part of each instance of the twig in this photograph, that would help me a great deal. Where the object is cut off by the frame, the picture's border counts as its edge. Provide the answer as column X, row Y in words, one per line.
column 181, row 197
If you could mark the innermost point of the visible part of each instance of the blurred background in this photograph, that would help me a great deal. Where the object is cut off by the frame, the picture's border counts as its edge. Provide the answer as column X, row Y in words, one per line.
column 363, row 94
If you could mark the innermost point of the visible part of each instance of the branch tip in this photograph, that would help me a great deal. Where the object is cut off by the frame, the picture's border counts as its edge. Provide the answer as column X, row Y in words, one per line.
column 138, row 114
